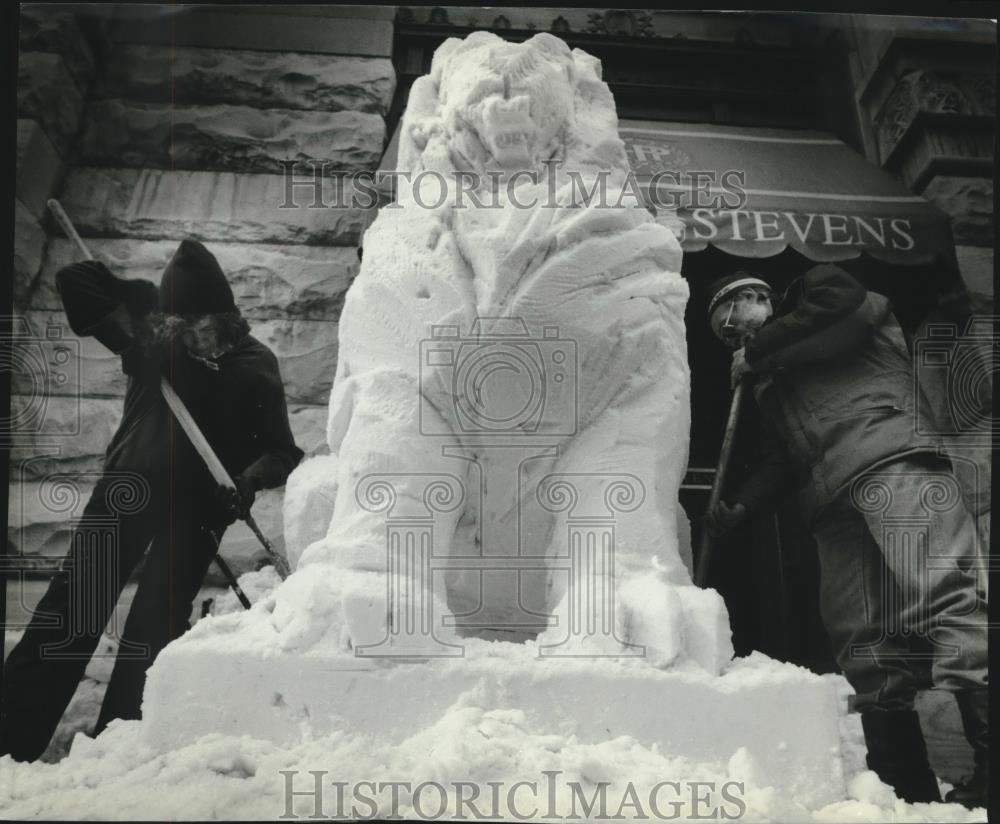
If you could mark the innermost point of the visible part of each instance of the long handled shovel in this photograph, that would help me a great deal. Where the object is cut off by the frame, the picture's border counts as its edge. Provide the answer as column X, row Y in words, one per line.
column 191, row 429
column 219, row 473
column 705, row 544
column 228, row 574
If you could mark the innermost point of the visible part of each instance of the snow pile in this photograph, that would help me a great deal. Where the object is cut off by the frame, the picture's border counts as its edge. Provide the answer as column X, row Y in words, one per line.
column 473, row 749
column 256, row 585
column 308, row 504
column 784, row 717
column 120, row 776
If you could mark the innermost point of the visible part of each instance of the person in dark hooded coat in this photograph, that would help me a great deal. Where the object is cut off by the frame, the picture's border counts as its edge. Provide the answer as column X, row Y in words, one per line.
column 155, row 490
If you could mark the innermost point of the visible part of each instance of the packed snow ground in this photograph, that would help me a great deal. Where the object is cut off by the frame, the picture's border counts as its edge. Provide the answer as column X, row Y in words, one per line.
column 119, row 776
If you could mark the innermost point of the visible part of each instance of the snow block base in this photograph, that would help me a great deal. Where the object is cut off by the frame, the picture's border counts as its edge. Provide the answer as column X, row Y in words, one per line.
column 783, row 717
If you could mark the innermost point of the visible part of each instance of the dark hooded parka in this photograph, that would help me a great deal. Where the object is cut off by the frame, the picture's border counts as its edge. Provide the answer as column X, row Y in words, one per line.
column 237, row 399
column 155, row 491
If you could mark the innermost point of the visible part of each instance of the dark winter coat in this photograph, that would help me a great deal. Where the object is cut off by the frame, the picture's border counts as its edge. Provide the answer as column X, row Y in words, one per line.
column 835, row 384
column 240, row 409
column 240, row 406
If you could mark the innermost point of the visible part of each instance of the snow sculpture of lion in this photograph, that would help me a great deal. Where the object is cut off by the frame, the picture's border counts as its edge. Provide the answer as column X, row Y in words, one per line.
column 513, row 372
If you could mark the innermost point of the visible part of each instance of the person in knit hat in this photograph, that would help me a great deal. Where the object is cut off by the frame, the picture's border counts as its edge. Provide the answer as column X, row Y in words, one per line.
column 155, row 500
column 746, row 303
column 832, row 377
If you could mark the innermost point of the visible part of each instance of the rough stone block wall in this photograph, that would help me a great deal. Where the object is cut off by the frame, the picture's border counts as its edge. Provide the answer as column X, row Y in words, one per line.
column 146, row 143
column 57, row 431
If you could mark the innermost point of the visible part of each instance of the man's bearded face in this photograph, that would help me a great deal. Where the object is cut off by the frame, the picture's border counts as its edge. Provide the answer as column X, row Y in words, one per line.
column 200, row 335
column 741, row 315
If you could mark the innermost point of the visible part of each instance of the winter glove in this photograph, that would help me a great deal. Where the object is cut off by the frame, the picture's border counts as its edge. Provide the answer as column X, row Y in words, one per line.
column 236, row 503
column 225, row 500
column 738, row 368
column 152, row 349
column 723, row 517
column 140, row 363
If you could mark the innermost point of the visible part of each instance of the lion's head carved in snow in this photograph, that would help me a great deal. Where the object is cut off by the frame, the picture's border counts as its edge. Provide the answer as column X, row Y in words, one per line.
column 489, row 104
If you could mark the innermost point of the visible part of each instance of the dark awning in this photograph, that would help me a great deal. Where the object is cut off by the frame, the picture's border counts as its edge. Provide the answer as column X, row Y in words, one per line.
column 807, row 190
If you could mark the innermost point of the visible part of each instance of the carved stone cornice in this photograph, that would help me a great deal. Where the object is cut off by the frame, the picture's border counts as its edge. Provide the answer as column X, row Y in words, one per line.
column 746, row 29
column 930, row 100
column 919, row 91
column 621, row 22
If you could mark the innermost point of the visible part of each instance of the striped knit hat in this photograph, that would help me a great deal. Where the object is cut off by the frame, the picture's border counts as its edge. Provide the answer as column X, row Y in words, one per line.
column 724, row 287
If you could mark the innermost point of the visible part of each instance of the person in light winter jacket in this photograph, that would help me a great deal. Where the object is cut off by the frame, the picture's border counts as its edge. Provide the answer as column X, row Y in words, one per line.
column 833, row 378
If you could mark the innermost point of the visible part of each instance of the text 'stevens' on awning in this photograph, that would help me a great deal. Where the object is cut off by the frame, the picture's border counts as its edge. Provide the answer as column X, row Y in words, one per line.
column 754, row 192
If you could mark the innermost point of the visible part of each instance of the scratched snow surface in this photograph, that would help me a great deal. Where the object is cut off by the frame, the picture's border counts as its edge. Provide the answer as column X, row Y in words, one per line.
column 118, row 777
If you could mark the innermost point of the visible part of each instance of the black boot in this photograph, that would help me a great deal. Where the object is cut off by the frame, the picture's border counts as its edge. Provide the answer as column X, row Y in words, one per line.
column 898, row 755
column 973, row 706
column 20, row 739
